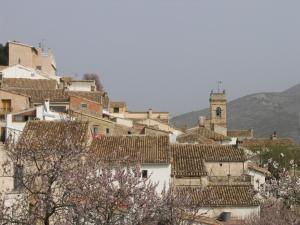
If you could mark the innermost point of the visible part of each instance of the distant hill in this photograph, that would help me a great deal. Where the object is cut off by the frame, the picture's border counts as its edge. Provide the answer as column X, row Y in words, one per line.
column 264, row 112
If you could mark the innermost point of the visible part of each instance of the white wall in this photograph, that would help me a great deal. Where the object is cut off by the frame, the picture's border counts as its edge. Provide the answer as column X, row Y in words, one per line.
column 19, row 71
column 225, row 168
column 237, row 212
column 159, row 173
column 258, row 179
column 81, row 86
column 124, row 122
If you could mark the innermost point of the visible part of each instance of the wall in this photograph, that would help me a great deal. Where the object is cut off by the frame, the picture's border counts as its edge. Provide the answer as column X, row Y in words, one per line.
column 258, row 179
column 31, row 57
column 101, row 123
column 160, row 173
column 81, row 86
column 234, row 168
column 237, row 212
column 190, row 181
column 22, row 52
column 92, row 107
column 18, row 102
column 161, row 116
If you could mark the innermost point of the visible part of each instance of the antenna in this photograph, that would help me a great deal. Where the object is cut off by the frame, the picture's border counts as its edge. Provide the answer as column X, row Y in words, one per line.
column 219, row 85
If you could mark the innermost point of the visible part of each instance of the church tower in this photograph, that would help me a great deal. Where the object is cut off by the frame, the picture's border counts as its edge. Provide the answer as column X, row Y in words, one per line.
column 218, row 109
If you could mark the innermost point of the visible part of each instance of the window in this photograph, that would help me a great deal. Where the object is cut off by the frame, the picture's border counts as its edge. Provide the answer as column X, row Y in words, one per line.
column 18, row 177
column 144, row 173
column 92, row 88
column 19, row 118
column 39, row 67
column 221, row 164
column 83, row 106
column 218, row 112
column 96, row 130
column 107, row 130
column 116, row 109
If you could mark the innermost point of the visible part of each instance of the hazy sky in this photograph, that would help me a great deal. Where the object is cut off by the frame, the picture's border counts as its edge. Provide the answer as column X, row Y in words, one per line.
column 165, row 54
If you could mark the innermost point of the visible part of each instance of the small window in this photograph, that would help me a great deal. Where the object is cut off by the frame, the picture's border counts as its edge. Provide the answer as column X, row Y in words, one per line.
column 19, row 118
column 129, row 132
column 221, row 164
column 218, row 112
column 83, row 106
column 92, row 88
column 96, row 130
column 39, row 67
column 107, row 130
column 18, row 177
column 144, row 173
column 116, row 109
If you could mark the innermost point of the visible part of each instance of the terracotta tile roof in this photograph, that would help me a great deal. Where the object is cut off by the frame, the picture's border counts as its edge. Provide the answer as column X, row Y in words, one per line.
column 240, row 133
column 41, row 135
column 95, row 96
column 220, row 196
column 56, row 95
column 201, row 135
column 265, row 142
column 211, row 153
column 144, row 149
column 39, row 96
column 29, row 83
column 188, row 160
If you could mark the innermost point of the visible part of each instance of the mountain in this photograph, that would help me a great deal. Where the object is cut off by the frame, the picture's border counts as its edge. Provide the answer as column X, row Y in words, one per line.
column 263, row 112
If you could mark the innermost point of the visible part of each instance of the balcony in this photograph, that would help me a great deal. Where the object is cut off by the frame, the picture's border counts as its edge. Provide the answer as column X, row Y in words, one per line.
column 244, row 179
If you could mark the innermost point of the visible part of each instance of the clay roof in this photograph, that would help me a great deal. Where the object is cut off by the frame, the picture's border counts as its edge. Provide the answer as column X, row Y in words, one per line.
column 39, row 96
column 56, row 95
column 95, row 96
column 265, row 142
column 220, row 196
column 29, row 83
column 240, row 133
column 144, row 149
column 201, row 135
column 39, row 135
column 188, row 160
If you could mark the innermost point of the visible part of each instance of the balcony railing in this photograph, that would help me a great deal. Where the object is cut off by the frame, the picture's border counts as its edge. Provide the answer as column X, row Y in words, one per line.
column 244, row 179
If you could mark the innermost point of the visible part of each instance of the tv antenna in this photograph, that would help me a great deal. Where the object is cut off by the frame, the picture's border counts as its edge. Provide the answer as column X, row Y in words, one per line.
column 219, row 85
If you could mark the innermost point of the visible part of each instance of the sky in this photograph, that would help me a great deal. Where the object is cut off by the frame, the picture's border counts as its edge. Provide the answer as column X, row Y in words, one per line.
column 165, row 54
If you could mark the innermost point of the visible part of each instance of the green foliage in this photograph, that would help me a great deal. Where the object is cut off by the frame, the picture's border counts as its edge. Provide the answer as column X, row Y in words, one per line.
column 3, row 55
column 283, row 154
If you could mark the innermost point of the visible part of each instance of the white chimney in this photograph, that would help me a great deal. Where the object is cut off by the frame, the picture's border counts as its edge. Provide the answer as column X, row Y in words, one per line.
column 47, row 105
column 201, row 121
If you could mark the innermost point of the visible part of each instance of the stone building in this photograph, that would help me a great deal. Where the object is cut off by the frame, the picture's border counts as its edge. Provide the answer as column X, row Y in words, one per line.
column 39, row 58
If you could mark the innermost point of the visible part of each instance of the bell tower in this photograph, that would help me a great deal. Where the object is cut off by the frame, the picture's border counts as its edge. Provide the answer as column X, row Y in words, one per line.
column 218, row 109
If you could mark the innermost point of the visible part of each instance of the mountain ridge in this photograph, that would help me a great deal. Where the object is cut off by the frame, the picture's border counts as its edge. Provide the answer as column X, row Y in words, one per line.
column 265, row 112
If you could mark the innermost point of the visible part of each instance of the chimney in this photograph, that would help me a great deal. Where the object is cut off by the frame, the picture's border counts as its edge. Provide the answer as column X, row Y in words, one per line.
column 150, row 113
column 47, row 105
column 201, row 121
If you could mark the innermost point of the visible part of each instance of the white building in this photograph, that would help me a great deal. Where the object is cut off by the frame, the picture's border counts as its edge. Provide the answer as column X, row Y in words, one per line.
column 151, row 152
column 19, row 71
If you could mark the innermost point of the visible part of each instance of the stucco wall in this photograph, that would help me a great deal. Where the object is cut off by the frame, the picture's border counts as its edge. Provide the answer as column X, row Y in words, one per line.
column 81, row 86
column 159, row 173
column 18, row 102
column 225, row 168
column 258, row 179
column 237, row 212
column 190, row 181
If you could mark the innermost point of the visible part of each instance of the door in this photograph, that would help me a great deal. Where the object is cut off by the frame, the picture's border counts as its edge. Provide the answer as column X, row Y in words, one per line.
column 6, row 105
column 2, row 134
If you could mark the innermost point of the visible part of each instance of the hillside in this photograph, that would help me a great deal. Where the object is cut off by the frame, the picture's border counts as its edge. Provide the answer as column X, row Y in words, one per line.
column 264, row 112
